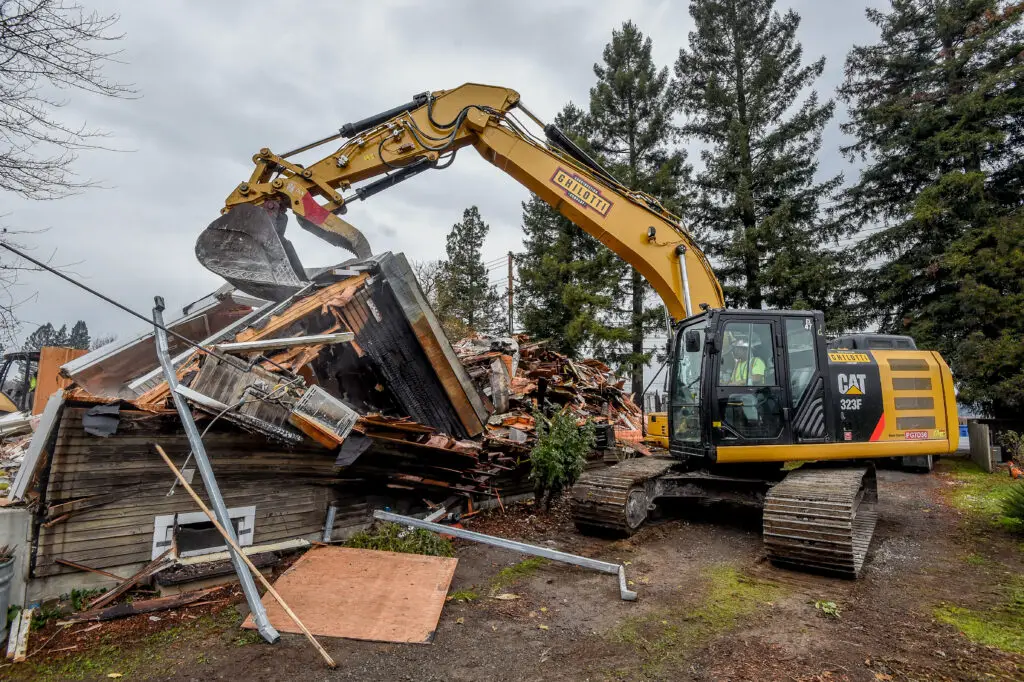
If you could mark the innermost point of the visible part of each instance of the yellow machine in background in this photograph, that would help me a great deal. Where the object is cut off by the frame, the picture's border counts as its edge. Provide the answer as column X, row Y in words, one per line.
column 657, row 429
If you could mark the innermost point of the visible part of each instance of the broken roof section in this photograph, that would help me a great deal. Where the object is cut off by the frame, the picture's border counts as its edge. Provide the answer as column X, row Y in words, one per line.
column 396, row 362
column 110, row 371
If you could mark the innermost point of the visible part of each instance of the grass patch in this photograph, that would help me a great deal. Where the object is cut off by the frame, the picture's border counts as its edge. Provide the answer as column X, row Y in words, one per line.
column 392, row 537
column 516, row 572
column 149, row 656
column 463, row 595
column 665, row 637
column 979, row 493
column 1001, row 626
column 248, row 637
column 975, row 560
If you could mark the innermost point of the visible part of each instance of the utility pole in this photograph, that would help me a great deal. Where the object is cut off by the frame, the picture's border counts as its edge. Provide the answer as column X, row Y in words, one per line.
column 510, row 317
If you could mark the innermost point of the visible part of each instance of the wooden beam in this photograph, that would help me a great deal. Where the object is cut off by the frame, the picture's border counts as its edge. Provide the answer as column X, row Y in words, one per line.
column 152, row 568
column 144, row 606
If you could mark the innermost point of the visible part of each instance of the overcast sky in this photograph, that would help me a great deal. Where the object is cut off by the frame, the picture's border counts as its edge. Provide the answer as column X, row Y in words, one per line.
column 219, row 80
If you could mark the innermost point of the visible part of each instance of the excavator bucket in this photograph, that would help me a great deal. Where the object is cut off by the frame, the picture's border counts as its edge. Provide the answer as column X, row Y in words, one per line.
column 246, row 248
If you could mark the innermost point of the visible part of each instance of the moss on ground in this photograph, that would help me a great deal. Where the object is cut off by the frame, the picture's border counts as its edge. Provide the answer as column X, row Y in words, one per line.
column 1001, row 626
column 516, row 572
column 979, row 493
column 464, row 595
column 666, row 636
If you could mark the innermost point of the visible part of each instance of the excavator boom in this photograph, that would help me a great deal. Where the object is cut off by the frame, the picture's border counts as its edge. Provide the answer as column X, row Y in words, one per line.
column 246, row 244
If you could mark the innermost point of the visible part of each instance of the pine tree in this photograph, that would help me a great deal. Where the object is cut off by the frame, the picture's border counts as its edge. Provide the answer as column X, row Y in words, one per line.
column 44, row 335
column 631, row 117
column 935, row 111
column 79, row 336
column 743, row 87
column 567, row 278
column 466, row 303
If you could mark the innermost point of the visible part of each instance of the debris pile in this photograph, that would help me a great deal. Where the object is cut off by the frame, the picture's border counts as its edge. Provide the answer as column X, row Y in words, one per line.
column 518, row 375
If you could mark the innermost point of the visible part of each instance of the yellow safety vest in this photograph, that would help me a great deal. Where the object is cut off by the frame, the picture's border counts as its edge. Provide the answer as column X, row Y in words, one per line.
column 739, row 372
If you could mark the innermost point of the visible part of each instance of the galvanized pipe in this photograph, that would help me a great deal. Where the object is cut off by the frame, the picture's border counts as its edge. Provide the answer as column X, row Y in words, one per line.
column 522, row 547
column 252, row 596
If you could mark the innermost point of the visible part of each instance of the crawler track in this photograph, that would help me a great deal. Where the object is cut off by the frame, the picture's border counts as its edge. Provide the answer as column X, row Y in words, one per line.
column 616, row 499
column 821, row 520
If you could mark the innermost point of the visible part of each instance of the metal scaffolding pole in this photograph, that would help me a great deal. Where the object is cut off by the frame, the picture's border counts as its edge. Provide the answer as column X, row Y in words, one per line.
column 252, row 596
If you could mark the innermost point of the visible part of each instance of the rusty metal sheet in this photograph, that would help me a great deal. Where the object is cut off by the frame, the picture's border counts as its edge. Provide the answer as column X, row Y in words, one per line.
column 363, row 594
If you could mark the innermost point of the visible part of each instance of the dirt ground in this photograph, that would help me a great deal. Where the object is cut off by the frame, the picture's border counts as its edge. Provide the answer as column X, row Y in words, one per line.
column 710, row 608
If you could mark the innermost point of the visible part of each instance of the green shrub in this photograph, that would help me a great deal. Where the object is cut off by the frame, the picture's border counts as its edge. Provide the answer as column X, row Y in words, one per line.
column 1013, row 503
column 560, row 454
column 392, row 537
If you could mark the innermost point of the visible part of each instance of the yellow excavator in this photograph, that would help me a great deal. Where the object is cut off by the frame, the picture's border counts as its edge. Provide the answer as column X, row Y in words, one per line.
column 750, row 390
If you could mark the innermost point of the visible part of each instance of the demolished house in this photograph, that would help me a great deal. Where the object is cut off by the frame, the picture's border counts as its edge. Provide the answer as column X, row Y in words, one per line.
column 344, row 398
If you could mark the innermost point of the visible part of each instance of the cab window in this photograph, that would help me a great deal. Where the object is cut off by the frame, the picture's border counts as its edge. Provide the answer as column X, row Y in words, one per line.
column 800, row 352
column 747, row 358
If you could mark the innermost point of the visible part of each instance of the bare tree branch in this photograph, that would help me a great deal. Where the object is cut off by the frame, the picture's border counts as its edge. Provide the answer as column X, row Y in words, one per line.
column 49, row 46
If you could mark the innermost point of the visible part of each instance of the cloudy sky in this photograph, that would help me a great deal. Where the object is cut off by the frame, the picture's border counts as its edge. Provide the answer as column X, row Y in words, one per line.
column 219, row 80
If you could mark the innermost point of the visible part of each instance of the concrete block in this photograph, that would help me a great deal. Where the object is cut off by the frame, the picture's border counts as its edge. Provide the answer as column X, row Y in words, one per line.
column 981, row 448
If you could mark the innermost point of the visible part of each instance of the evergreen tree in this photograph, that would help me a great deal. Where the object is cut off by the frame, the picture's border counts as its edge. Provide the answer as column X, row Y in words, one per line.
column 45, row 335
column 935, row 110
column 742, row 86
column 568, row 280
column 79, row 336
column 631, row 122
column 465, row 301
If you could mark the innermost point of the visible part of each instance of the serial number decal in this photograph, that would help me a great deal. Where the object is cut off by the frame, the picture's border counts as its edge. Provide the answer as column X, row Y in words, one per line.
column 850, row 404
column 580, row 191
column 916, row 435
column 849, row 357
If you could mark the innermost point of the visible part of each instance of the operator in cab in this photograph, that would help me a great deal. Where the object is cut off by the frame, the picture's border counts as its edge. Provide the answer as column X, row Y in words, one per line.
column 740, row 367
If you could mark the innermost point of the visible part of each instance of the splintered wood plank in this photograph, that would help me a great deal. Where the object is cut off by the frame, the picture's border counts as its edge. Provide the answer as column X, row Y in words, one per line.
column 363, row 594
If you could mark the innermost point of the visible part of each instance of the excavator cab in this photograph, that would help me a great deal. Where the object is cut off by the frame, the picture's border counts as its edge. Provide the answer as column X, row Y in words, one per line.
column 748, row 378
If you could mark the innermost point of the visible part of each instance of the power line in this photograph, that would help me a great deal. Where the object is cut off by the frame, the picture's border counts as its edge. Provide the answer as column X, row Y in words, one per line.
column 111, row 301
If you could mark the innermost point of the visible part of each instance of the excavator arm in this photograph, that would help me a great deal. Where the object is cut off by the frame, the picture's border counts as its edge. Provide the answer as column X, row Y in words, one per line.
column 246, row 245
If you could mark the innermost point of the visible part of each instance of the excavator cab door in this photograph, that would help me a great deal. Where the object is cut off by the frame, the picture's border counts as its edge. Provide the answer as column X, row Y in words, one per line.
column 750, row 401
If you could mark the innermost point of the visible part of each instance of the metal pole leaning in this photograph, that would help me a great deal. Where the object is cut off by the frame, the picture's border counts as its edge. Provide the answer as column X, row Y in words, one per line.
column 248, row 563
column 252, row 595
column 553, row 554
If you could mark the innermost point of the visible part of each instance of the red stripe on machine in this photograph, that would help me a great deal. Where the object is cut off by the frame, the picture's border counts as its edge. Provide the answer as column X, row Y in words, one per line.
column 879, row 428
column 314, row 212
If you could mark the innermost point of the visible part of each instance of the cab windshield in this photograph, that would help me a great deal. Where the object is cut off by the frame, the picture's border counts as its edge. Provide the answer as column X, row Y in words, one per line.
column 687, row 385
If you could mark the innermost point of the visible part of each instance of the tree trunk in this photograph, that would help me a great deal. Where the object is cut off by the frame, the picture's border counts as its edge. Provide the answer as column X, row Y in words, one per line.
column 745, row 190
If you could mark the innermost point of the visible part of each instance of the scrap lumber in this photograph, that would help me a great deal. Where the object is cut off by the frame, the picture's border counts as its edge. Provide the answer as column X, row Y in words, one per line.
column 150, row 569
column 255, row 571
column 143, row 606
column 17, row 640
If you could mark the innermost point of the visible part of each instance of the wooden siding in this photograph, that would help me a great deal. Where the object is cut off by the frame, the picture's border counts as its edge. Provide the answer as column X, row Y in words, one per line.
column 290, row 488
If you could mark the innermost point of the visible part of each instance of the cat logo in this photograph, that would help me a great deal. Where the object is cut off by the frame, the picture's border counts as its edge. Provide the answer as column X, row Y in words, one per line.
column 580, row 191
column 852, row 384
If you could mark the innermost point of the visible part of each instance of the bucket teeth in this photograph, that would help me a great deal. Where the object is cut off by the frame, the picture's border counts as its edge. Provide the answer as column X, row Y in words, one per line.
column 245, row 248
column 822, row 520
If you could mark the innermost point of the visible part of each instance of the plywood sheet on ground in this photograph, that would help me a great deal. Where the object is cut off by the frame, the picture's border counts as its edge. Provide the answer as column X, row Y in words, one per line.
column 363, row 594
